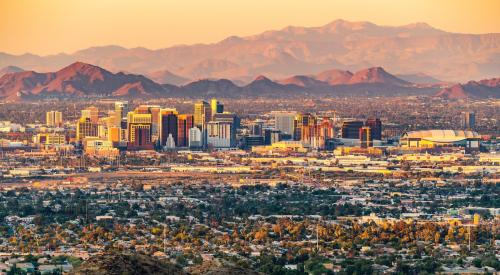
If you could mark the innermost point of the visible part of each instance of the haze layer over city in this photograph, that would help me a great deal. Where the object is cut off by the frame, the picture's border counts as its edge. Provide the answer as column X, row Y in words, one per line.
column 261, row 137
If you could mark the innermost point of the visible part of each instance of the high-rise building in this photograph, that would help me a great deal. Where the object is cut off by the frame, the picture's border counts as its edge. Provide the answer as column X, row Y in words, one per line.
column 86, row 128
column 324, row 133
column 365, row 137
column 139, row 130
column 306, row 126
column 168, row 125
column 468, row 120
column 376, row 127
column 170, row 144
column 284, row 121
column 92, row 113
column 257, row 127
column 216, row 107
column 121, row 111
column 220, row 134
column 350, row 129
column 202, row 114
column 184, row 123
column 271, row 136
column 54, row 119
column 229, row 117
column 154, row 110
column 195, row 138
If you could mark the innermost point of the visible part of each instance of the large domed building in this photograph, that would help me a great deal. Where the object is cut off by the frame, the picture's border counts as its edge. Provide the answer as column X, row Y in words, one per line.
column 440, row 138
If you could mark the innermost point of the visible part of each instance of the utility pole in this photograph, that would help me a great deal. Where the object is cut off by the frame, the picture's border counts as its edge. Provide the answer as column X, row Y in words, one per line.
column 164, row 239
column 469, row 238
column 86, row 211
column 317, row 237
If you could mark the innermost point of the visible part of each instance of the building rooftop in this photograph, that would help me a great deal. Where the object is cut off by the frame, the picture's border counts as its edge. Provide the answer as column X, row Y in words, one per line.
column 442, row 135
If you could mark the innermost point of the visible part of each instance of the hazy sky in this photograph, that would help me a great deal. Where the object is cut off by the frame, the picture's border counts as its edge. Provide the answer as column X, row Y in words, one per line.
column 54, row 26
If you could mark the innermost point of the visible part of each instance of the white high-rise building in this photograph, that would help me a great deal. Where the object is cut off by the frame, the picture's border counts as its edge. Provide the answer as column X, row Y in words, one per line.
column 284, row 121
column 195, row 139
column 220, row 134
column 170, row 142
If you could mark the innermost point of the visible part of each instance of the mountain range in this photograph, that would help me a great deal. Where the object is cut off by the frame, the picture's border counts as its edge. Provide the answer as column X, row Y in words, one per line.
column 82, row 80
column 486, row 88
column 409, row 50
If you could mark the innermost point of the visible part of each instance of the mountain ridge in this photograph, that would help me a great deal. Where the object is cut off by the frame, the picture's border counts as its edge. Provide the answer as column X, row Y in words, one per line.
column 85, row 80
column 300, row 50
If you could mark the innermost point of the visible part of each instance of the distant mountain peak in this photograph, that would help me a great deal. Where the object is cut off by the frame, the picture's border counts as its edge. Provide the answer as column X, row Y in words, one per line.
column 376, row 75
column 10, row 69
column 486, row 88
column 261, row 78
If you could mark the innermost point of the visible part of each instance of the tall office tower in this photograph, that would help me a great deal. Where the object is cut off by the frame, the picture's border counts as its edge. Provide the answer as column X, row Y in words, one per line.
column 257, row 127
column 195, row 138
column 216, row 107
column 325, row 132
column 284, row 121
column 139, row 130
column 376, row 127
column 350, row 129
column 231, row 118
column 468, row 120
column 271, row 136
column 220, row 134
column 86, row 128
column 155, row 121
column 121, row 111
column 202, row 114
column 54, row 119
column 168, row 125
column 365, row 137
column 92, row 113
column 184, row 123
column 307, row 125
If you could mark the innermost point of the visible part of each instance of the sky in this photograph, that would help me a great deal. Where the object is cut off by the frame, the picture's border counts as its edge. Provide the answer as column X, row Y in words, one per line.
column 56, row 26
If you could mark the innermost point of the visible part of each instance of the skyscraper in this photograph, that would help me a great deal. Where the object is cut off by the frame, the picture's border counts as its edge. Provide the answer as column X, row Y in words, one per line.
column 216, row 107
column 284, row 121
column 92, row 113
column 195, row 138
column 306, row 123
column 54, row 119
column 202, row 114
column 86, row 128
column 376, row 128
column 350, row 129
column 121, row 111
column 365, row 137
column 271, row 136
column 220, row 134
column 468, row 120
column 184, row 123
column 168, row 125
column 257, row 127
column 325, row 132
column 139, row 130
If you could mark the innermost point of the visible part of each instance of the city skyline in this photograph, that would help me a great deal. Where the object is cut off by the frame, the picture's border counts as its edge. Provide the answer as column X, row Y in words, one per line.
column 249, row 137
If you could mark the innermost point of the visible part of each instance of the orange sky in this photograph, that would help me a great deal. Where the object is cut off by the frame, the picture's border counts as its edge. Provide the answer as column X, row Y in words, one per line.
column 53, row 26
